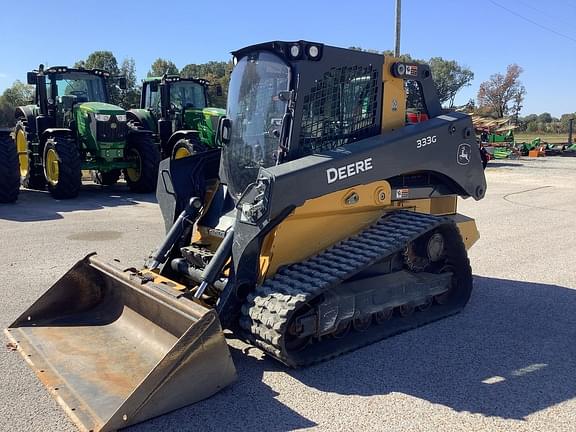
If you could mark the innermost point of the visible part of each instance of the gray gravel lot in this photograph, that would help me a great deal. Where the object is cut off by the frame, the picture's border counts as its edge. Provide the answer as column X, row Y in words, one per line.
column 507, row 363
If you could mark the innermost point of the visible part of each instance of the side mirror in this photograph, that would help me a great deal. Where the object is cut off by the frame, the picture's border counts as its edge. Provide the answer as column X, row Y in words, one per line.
column 224, row 130
column 31, row 78
column 122, row 83
column 219, row 91
column 153, row 86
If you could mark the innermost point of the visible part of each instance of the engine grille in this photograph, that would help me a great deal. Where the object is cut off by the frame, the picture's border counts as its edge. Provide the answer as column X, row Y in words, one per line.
column 106, row 132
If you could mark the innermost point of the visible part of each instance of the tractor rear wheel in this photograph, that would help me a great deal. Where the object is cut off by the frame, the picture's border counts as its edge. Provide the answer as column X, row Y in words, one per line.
column 185, row 147
column 9, row 177
column 31, row 177
column 143, row 153
column 62, row 167
column 106, row 178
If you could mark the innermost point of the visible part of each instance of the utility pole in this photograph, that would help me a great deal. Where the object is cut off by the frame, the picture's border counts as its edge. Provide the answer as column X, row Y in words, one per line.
column 570, row 129
column 398, row 25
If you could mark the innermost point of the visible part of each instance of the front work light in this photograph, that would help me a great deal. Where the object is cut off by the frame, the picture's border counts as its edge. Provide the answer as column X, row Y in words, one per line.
column 313, row 51
column 295, row 51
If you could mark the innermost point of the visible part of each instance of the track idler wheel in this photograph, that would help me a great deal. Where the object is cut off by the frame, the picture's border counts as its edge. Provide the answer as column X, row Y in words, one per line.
column 342, row 330
column 362, row 323
column 426, row 305
column 383, row 315
column 406, row 310
column 294, row 340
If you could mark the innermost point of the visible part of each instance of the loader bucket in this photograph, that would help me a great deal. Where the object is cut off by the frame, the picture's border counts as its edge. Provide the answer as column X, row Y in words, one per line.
column 116, row 349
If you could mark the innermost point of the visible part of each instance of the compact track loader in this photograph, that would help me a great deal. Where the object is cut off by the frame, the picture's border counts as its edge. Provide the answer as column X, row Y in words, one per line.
column 323, row 224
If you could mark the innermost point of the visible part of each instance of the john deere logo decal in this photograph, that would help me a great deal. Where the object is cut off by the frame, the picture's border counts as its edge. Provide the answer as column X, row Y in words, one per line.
column 464, row 153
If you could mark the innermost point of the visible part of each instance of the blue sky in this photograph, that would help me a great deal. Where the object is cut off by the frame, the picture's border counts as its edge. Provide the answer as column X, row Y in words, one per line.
column 480, row 34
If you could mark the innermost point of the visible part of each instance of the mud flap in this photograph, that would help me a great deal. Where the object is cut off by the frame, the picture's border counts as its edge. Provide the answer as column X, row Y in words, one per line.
column 115, row 349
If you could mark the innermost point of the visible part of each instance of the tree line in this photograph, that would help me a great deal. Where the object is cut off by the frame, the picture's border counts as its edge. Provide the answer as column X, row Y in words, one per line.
column 546, row 123
column 216, row 72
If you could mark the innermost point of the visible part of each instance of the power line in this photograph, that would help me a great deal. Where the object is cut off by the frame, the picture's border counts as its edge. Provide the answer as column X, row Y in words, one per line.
column 537, row 24
column 543, row 12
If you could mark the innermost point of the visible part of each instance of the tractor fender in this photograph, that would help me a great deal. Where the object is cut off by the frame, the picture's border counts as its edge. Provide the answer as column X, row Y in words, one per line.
column 27, row 113
column 54, row 132
column 182, row 134
column 139, row 131
column 142, row 116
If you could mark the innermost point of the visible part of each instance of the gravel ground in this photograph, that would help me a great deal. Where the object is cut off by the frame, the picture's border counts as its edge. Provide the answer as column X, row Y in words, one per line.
column 507, row 363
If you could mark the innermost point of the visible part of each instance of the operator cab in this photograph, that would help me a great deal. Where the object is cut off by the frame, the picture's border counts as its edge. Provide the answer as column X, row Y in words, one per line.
column 334, row 105
column 182, row 93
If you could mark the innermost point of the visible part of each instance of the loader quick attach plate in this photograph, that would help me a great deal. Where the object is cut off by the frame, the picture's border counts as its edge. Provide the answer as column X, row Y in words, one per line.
column 115, row 349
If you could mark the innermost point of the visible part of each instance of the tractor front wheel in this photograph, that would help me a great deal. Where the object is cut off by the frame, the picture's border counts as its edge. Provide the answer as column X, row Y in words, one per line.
column 143, row 153
column 9, row 176
column 185, row 147
column 62, row 167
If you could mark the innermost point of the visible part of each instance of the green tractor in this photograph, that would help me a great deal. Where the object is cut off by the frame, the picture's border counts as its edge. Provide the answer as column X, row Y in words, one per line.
column 176, row 110
column 73, row 127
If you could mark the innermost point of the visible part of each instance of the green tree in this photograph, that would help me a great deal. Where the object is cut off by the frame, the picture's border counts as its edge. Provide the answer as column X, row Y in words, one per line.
column 105, row 60
column 450, row 77
column 16, row 95
column 216, row 73
column 530, row 118
column 565, row 121
column 162, row 66
column 532, row 126
column 496, row 95
column 131, row 96
column 545, row 118
column 100, row 60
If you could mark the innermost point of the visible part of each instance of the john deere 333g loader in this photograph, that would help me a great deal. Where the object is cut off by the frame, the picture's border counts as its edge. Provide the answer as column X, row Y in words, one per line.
column 323, row 224
column 73, row 127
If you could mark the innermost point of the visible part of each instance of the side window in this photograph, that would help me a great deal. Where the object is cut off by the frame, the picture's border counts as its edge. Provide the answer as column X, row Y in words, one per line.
column 152, row 99
column 340, row 108
column 415, row 106
column 49, row 86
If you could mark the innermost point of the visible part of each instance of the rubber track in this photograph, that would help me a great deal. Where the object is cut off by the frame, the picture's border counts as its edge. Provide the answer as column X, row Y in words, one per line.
column 267, row 311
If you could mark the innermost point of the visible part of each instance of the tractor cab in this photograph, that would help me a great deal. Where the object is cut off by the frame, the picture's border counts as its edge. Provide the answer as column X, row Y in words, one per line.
column 172, row 98
column 70, row 98
column 69, row 89
column 177, row 111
